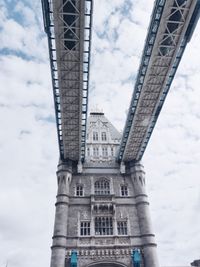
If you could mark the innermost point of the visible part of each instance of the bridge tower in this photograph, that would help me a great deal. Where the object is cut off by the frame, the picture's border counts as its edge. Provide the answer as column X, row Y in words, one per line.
column 102, row 210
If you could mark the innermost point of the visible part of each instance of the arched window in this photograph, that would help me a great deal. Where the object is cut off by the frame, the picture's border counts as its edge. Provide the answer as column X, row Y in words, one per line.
column 95, row 136
column 88, row 151
column 104, row 151
column 95, row 151
column 102, row 187
column 103, row 136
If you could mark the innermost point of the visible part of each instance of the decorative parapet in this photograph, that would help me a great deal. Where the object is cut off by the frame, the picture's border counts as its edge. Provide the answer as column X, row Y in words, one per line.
column 101, row 253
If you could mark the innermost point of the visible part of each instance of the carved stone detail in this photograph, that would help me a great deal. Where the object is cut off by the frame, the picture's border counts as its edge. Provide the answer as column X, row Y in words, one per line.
column 104, row 241
column 124, row 240
column 84, row 241
column 101, row 253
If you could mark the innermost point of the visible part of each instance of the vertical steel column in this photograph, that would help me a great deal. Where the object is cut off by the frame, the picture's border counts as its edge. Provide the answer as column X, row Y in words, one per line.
column 142, row 204
column 64, row 175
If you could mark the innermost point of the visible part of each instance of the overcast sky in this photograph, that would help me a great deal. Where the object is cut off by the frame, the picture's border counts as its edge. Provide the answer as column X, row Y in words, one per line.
column 28, row 141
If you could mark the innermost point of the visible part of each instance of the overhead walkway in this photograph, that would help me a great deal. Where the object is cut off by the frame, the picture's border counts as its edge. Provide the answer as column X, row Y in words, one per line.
column 171, row 27
column 68, row 27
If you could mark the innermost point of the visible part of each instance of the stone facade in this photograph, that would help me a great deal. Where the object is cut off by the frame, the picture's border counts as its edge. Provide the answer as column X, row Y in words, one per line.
column 102, row 139
column 101, row 212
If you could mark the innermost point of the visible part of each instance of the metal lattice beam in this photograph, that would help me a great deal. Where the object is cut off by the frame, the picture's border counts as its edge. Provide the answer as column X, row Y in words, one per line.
column 68, row 27
column 171, row 26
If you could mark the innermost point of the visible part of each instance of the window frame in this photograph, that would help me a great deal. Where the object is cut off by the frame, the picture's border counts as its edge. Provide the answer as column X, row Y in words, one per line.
column 102, row 187
column 79, row 190
column 103, row 136
column 122, row 227
column 95, row 136
column 124, row 190
column 95, row 151
column 103, row 226
column 85, row 228
column 88, row 151
column 104, row 151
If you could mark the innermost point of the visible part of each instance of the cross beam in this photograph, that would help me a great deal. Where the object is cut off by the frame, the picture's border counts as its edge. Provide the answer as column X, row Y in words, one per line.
column 172, row 24
column 68, row 27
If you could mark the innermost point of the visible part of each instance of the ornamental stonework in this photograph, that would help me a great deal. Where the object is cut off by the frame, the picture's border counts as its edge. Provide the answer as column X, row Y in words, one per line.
column 101, row 253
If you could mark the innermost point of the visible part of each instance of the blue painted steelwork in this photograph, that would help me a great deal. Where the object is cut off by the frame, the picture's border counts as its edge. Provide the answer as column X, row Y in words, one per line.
column 49, row 29
column 151, row 36
column 73, row 259
column 136, row 257
column 86, row 73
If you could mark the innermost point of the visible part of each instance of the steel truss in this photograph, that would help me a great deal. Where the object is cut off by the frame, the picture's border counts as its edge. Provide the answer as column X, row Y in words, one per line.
column 68, row 27
column 171, row 27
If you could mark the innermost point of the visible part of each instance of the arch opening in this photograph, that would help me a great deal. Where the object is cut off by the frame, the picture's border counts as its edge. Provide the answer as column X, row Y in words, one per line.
column 106, row 264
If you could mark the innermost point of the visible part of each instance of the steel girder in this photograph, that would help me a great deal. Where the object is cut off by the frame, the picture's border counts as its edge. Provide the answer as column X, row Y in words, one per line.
column 68, row 27
column 171, row 27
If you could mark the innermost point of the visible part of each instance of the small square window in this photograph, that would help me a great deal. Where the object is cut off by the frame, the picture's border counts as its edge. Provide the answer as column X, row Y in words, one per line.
column 79, row 190
column 124, row 190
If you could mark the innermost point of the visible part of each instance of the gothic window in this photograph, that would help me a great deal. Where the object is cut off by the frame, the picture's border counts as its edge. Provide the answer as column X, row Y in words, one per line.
column 85, row 228
column 95, row 151
column 79, row 190
column 103, row 226
column 103, row 208
column 124, row 190
column 95, row 136
column 122, row 228
column 88, row 151
column 112, row 151
column 102, row 187
column 104, row 151
column 103, row 136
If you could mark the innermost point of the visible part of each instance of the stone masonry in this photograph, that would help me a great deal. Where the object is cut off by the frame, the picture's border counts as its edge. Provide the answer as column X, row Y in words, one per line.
column 102, row 209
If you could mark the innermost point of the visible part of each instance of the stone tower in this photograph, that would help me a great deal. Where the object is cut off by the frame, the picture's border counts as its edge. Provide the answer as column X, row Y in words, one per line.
column 102, row 210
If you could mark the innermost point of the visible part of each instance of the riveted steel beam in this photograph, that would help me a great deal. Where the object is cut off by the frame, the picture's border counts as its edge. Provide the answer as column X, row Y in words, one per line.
column 171, row 27
column 68, row 26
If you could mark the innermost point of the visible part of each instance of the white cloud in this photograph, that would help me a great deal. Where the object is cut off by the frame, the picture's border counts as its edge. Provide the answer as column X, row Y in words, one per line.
column 28, row 140
column 23, row 37
column 173, row 183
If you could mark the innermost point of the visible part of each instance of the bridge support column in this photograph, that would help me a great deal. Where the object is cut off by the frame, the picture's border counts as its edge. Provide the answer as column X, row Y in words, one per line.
column 148, row 238
column 64, row 175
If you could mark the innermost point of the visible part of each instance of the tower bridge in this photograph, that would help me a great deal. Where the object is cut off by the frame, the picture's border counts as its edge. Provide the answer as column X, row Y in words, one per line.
column 171, row 27
column 68, row 28
column 102, row 215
